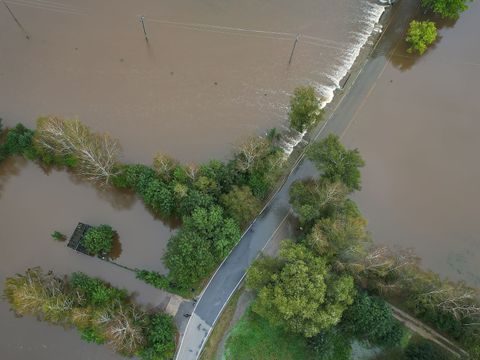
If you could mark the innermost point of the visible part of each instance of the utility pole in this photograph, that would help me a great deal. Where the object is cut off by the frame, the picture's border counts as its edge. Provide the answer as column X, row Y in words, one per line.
column 142, row 18
column 16, row 20
column 293, row 49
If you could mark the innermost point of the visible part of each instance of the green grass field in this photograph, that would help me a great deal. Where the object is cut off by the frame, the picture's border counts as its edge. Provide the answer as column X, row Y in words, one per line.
column 254, row 338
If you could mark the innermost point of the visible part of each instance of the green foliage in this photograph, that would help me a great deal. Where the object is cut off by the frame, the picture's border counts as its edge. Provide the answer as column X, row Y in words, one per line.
column 336, row 163
column 204, row 240
column 240, row 204
column 302, row 295
column 91, row 334
column 450, row 9
column 99, row 240
column 314, row 199
column 153, row 278
column 340, row 234
column 331, row 344
column 304, row 108
column 370, row 318
column 159, row 197
column 57, row 235
column 101, row 313
column 425, row 350
column 95, row 292
column 19, row 141
column 420, row 35
column 254, row 337
column 160, row 336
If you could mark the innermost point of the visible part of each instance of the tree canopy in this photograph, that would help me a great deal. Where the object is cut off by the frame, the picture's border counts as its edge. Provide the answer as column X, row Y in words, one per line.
column 420, row 35
column 298, row 290
column 304, row 108
column 335, row 162
column 450, row 9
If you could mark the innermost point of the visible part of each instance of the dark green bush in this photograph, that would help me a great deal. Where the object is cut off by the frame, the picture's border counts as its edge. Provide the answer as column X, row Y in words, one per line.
column 99, row 240
column 160, row 336
column 331, row 344
column 95, row 291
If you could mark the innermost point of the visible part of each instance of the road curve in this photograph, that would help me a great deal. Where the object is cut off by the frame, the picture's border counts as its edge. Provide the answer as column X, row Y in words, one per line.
column 231, row 272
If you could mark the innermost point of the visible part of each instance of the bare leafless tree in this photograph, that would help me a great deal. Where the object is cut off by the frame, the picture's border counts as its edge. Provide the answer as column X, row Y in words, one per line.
column 164, row 165
column 250, row 151
column 96, row 154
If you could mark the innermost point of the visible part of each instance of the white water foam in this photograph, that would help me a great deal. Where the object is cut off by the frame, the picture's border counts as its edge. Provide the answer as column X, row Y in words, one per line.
column 369, row 18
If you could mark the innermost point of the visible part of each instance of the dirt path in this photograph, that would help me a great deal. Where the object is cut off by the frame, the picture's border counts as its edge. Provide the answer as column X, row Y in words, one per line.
column 427, row 332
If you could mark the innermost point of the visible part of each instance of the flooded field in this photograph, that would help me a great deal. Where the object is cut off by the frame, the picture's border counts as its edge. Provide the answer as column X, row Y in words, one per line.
column 419, row 132
column 211, row 73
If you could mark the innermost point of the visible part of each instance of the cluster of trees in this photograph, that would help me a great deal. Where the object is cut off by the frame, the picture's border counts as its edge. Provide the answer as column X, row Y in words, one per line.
column 98, row 240
column 213, row 200
column 63, row 142
column 312, row 288
column 421, row 34
column 101, row 313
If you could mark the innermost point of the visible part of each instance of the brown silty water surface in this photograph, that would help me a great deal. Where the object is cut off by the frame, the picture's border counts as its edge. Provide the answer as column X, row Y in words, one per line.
column 419, row 132
column 211, row 73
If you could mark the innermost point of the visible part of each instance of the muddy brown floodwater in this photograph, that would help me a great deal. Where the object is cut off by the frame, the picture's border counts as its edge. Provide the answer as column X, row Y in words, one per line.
column 212, row 72
column 419, row 132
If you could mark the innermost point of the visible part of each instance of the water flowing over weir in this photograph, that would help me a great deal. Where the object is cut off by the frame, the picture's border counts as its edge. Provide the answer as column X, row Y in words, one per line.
column 368, row 18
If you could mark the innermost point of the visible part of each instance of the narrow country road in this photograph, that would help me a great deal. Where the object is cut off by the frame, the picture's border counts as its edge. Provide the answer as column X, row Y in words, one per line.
column 233, row 269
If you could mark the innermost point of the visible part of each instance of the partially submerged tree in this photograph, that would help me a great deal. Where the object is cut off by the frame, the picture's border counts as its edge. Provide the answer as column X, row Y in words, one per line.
column 93, row 155
column 298, row 291
column 335, row 162
column 450, row 9
column 250, row 151
column 305, row 108
column 164, row 165
column 420, row 35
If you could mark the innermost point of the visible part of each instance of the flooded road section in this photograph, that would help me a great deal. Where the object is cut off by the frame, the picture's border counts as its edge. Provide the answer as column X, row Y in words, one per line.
column 419, row 132
column 212, row 71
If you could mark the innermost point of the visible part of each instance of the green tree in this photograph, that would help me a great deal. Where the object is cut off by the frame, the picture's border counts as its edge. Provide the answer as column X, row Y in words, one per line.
column 99, row 240
column 339, row 235
column 96, row 292
column 370, row 318
column 420, row 35
column 314, row 199
column 240, row 204
column 335, row 162
column 303, row 295
column 160, row 336
column 450, row 9
column 19, row 141
column 189, row 259
column 304, row 108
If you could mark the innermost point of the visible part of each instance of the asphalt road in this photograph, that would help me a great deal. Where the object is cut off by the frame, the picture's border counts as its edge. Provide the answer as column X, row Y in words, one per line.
column 231, row 272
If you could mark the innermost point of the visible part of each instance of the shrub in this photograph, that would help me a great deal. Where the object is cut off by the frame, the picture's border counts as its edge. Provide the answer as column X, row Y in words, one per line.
column 304, row 108
column 370, row 318
column 420, row 35
column 160, row 337
column 57, row 235
column 99, row 240
column 96, row 292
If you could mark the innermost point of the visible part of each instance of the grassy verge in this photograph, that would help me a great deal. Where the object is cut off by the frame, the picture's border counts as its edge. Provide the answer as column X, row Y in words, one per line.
column 221, row 327
column 255, row 338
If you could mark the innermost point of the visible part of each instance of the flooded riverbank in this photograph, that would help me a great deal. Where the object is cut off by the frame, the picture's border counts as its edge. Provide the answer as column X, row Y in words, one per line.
column 211, row 73
column 418, row 132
